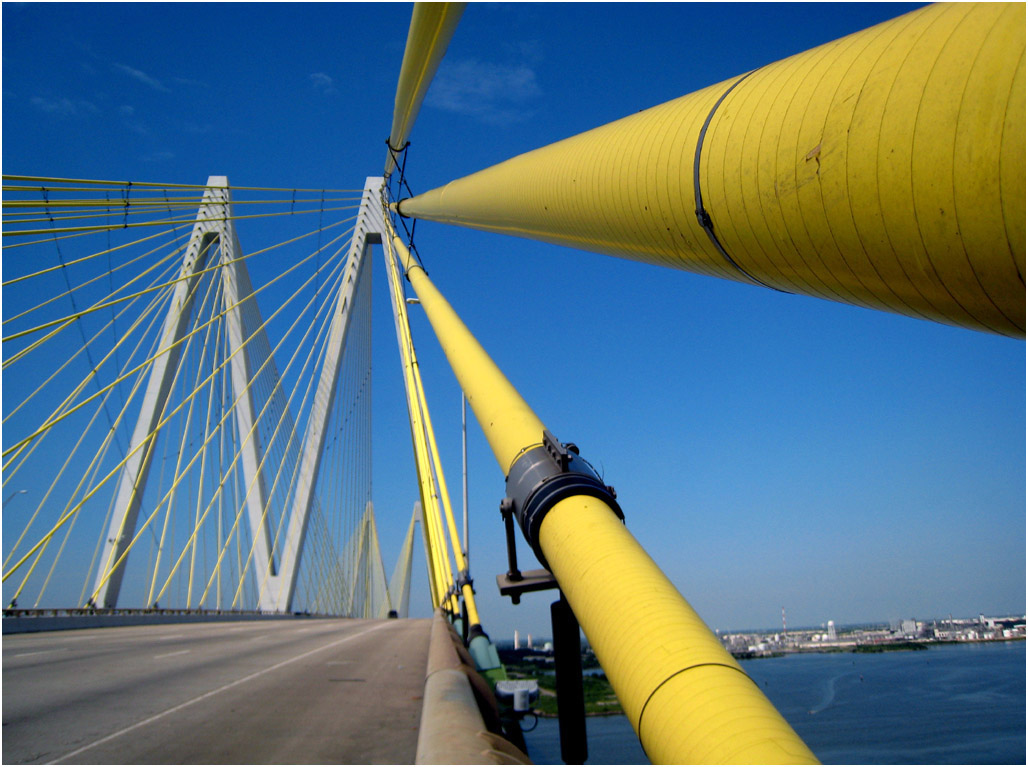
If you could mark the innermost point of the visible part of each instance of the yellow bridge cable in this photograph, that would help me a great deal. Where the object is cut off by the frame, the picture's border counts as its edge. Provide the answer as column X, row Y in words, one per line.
column 64, row 321
column 93, row 213
column 61, row 410
column 687, row 698
column 438, row 559
column 9, row 475
column 335, row 278
column 180, row 453
column 155, row 300
column 99, row 277
column 159, row 185
column 422, row 405
column 73, row 262
column 93, row 468
column 107, row 439
column 164, row 222
column 244, row 566
column 421, row 426
column 150, row 442
column 53, row 419
column 885, row 170
column 235, row 459
column 117, row 206
column 205, row 347
column 109, row 571
column 431, row 27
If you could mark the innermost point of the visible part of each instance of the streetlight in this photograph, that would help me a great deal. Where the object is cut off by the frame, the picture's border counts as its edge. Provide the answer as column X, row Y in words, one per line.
column 7, row 500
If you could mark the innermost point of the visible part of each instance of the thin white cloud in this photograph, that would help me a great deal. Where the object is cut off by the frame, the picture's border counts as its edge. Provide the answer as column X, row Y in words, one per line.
column 493, row 93
column 324, row 83
column 143, row 77
column 189, row 83
column 160, row 156
column 63, row 106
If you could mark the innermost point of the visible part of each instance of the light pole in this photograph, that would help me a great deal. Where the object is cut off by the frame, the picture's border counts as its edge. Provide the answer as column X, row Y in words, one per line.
column 7, row 500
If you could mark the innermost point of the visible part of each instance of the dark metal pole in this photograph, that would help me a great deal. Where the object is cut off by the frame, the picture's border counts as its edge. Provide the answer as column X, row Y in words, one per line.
column 567, row 655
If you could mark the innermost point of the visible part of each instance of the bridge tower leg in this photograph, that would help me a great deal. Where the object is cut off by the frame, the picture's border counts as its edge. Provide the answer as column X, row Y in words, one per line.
column 277, row 590
column 213, row 225
column 277, row 584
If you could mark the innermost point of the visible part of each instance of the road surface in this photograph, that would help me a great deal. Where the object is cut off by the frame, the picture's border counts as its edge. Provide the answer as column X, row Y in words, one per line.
column 341, row 691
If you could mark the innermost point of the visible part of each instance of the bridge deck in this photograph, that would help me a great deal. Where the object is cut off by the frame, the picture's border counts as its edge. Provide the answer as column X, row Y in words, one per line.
column 301, row 691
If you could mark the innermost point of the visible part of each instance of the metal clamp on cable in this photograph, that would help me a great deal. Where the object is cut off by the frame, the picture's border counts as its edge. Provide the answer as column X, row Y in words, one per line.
column 464, row 579
column 545, row 475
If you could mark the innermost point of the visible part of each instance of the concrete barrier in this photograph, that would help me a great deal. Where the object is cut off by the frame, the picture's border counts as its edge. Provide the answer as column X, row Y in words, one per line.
column 28, row 621
column 453, row 728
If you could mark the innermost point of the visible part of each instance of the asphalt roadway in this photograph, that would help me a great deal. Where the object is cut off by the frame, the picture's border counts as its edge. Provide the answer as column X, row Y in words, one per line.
column 310, row 691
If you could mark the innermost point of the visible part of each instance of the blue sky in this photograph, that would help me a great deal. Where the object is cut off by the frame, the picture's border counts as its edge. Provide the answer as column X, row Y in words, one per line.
column 768, row 450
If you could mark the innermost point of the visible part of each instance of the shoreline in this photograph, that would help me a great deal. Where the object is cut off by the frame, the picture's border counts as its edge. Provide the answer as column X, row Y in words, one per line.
column 908, row 645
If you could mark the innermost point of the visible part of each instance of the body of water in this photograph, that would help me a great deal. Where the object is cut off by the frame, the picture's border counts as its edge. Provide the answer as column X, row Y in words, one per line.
column 950, row 704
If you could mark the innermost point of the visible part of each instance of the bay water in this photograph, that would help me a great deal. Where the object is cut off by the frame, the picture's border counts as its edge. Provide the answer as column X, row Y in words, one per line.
column 949, row 704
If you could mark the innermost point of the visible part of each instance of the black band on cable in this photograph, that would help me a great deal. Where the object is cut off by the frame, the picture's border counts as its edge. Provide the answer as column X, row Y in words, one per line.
column 701, row 213
column 642, row 712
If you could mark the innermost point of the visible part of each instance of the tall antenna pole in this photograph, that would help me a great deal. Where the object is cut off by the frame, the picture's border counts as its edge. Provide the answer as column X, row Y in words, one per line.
column 464, row 453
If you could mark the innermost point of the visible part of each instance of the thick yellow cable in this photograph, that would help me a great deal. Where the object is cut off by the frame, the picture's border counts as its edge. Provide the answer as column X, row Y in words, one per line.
column 885, row 170
column 686, row 697
column 431, row 27
column 466, row 591
column 421, row 405
column 491, row 396
column 427, row 485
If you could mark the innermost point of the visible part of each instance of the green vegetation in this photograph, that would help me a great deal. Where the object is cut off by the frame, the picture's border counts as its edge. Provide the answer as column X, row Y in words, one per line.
column 599, row 696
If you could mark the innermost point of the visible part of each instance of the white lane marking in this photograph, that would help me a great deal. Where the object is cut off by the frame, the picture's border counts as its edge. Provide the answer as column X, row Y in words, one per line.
column 170, row 654
column 206, row 695
column 36, row 652
column 339, row 662
column 169, row 636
